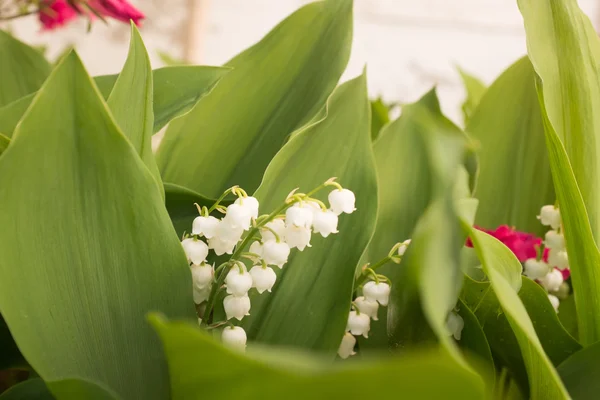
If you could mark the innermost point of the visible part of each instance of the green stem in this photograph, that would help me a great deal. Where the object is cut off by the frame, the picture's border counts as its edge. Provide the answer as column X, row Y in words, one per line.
column 220, row 199
column 365, row 273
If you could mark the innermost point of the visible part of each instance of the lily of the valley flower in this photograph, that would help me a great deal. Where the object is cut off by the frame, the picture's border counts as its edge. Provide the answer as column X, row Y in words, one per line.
column 238, row 216
column 195, row 250
column 346, row 348
column 236, row 306
column 550, row 216
column 238, row 281
column 221, row 246
column 342, row 201
column 201, row 295
column 552, row 281
column 205, row 226
column 297, row 236
column 256, row 248
column 455, row 325
column 536, row 269
column 299, row 216
column 403, row 247
column 555, row 241
column 554, row 301
column 558, row 259
column 278, row 226
column 234, row 337
column 263, row 278
column 275, row 253
column 325, row 222
column 379, row 292
column 358, row 324
column 250, row 204
column 368, row 307
column 202, row 275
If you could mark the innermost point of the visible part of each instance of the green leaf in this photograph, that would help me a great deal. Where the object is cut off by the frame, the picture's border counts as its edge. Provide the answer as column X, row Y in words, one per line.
column 514, row 177
column 568, row 316
column 580, row 373
column 474, row 89
column 22, row 69
column 276, row 86
column 176, row 91
column 78, row 310
column 32, row 389
column 504, row 272
column 473, row 341
column 234, row 375
column 380, row 116
column 130, row 102
column 68, row 389
column 310, row 302
column 4, row 142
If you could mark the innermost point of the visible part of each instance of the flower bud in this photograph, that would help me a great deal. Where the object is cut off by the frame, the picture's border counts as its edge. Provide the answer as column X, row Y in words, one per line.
column 550, row 216
column 238, row 216
column 202, row 275
column 201, row 295
column 234, row 337
column 250, row 204
column 379, row 292
column 299, row 216
column 342, row 201
column 325, row 222
column 205, row 226
column 195, row 250
column 403, row 247
column 298, row 237
column 238, row 282
column 276, row 225
column 455, row 325
column 555, row 241
column 263, row 278
column 536, row 269
column 346, row 348
column 236, row 307
column 558, row 259
column 368, row 307
column 552, row 281
column 554, row 301
column 275, row 253
column 358, row 324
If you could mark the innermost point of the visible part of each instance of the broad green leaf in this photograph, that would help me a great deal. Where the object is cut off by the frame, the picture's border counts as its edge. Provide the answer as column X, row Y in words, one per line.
column 276, row 86
column 514, row 177
column 473, row 341
column 68, row 389
column 310, row 302
column 584, row 257
column 380, row 116
column 32, row 389
column 22, row 69
column 4, row 142
column 474, row 89
column 130, row 102
column 176, row 91
column 78, row 309
column 228, row 374
column 580, row 373
column 503, row 270
column 568, row 316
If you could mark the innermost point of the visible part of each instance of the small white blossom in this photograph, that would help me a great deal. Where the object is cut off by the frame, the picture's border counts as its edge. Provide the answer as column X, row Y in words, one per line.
column 256, row 248
column 552, row 281
column 368, row 307
column 550, row 216
column 358, row 324
column 195, row 250
column 536, row 269
column 558, row 259
column 263, row 278
column 377, row 291
column 228, row 232
column 201, row 295
column 298, row 237
column 554, row 301
column 205, row 226
column 347, row 346
column 342, row 201
column 275, row 253
column 221, row 246
column 238, row 282
column 555, row 241
column 236, row 307
column 202, row 275
column 325, row 222
column 250, row 204
column 238, row 216
column 278, row 226
column 455, row 325
column 234, row 337
column 403, row 247
column 299, row 216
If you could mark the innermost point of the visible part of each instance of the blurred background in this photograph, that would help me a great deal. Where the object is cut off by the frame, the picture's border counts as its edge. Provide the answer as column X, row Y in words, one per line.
column 408, row 46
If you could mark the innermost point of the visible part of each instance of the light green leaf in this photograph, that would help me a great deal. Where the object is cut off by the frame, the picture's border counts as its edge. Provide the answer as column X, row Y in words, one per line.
column 474, row 89
column 514, row 178
column 4, row 142
column 426, row 375
column 503, row 270
column 310, row 302
column 78, row 310
column 22, row 69
column 68, row 389
column 130, row 102
column 580, row 373
column 380, row 116
column 276, row 86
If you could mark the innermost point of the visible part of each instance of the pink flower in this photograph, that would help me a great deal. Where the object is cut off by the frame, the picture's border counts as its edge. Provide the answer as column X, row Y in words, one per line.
column 120, row 10
column 523, row 245
column 55, row 13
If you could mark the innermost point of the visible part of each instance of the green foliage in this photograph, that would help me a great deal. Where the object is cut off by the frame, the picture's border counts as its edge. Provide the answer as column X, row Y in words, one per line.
column 475, row 89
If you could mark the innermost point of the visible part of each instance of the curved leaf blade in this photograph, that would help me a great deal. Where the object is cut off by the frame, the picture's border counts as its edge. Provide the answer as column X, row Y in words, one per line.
column 475, row 89
column 580, row 373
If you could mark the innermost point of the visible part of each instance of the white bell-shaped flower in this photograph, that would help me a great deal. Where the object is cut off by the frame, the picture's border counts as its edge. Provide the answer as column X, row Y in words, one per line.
column 238, row 281
column 202, row 275
column 555, row 241
column 263, row 278
column 256, row 248
column 558, row 259
column 201, row 295
column 379, row 292
column 550, row 216
column 221, row 246
column 368, row 307
column 195, row 250
column 455, row 325
column 205, row 226
column 536, row 269
column 275, row 253
column 402, row 248
column 346, row 348
column 236, row 306
column 234, row 337
column 297, row 236
column 325, row 222
column 552, row 281
column 358, row 324
column 228, row 232
column 250, row 204
column 278, row 226
column 554, row 301
column 299, row 216
column 342, row 201
column 238, row 216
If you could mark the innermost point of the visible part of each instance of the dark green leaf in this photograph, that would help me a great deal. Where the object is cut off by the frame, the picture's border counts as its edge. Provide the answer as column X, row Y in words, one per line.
column 380, row 116
column 475, row 90
column 473, row 341
column 32, row 389
column 4, row 142
column 581, row 373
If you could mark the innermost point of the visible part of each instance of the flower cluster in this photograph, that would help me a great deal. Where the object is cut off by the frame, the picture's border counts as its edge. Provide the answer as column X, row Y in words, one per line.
column 56, row 13
column 270, row 239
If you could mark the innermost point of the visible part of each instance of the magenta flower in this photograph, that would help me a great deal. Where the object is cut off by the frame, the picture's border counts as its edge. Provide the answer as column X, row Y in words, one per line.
column 120, row 10
column 55, row 14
